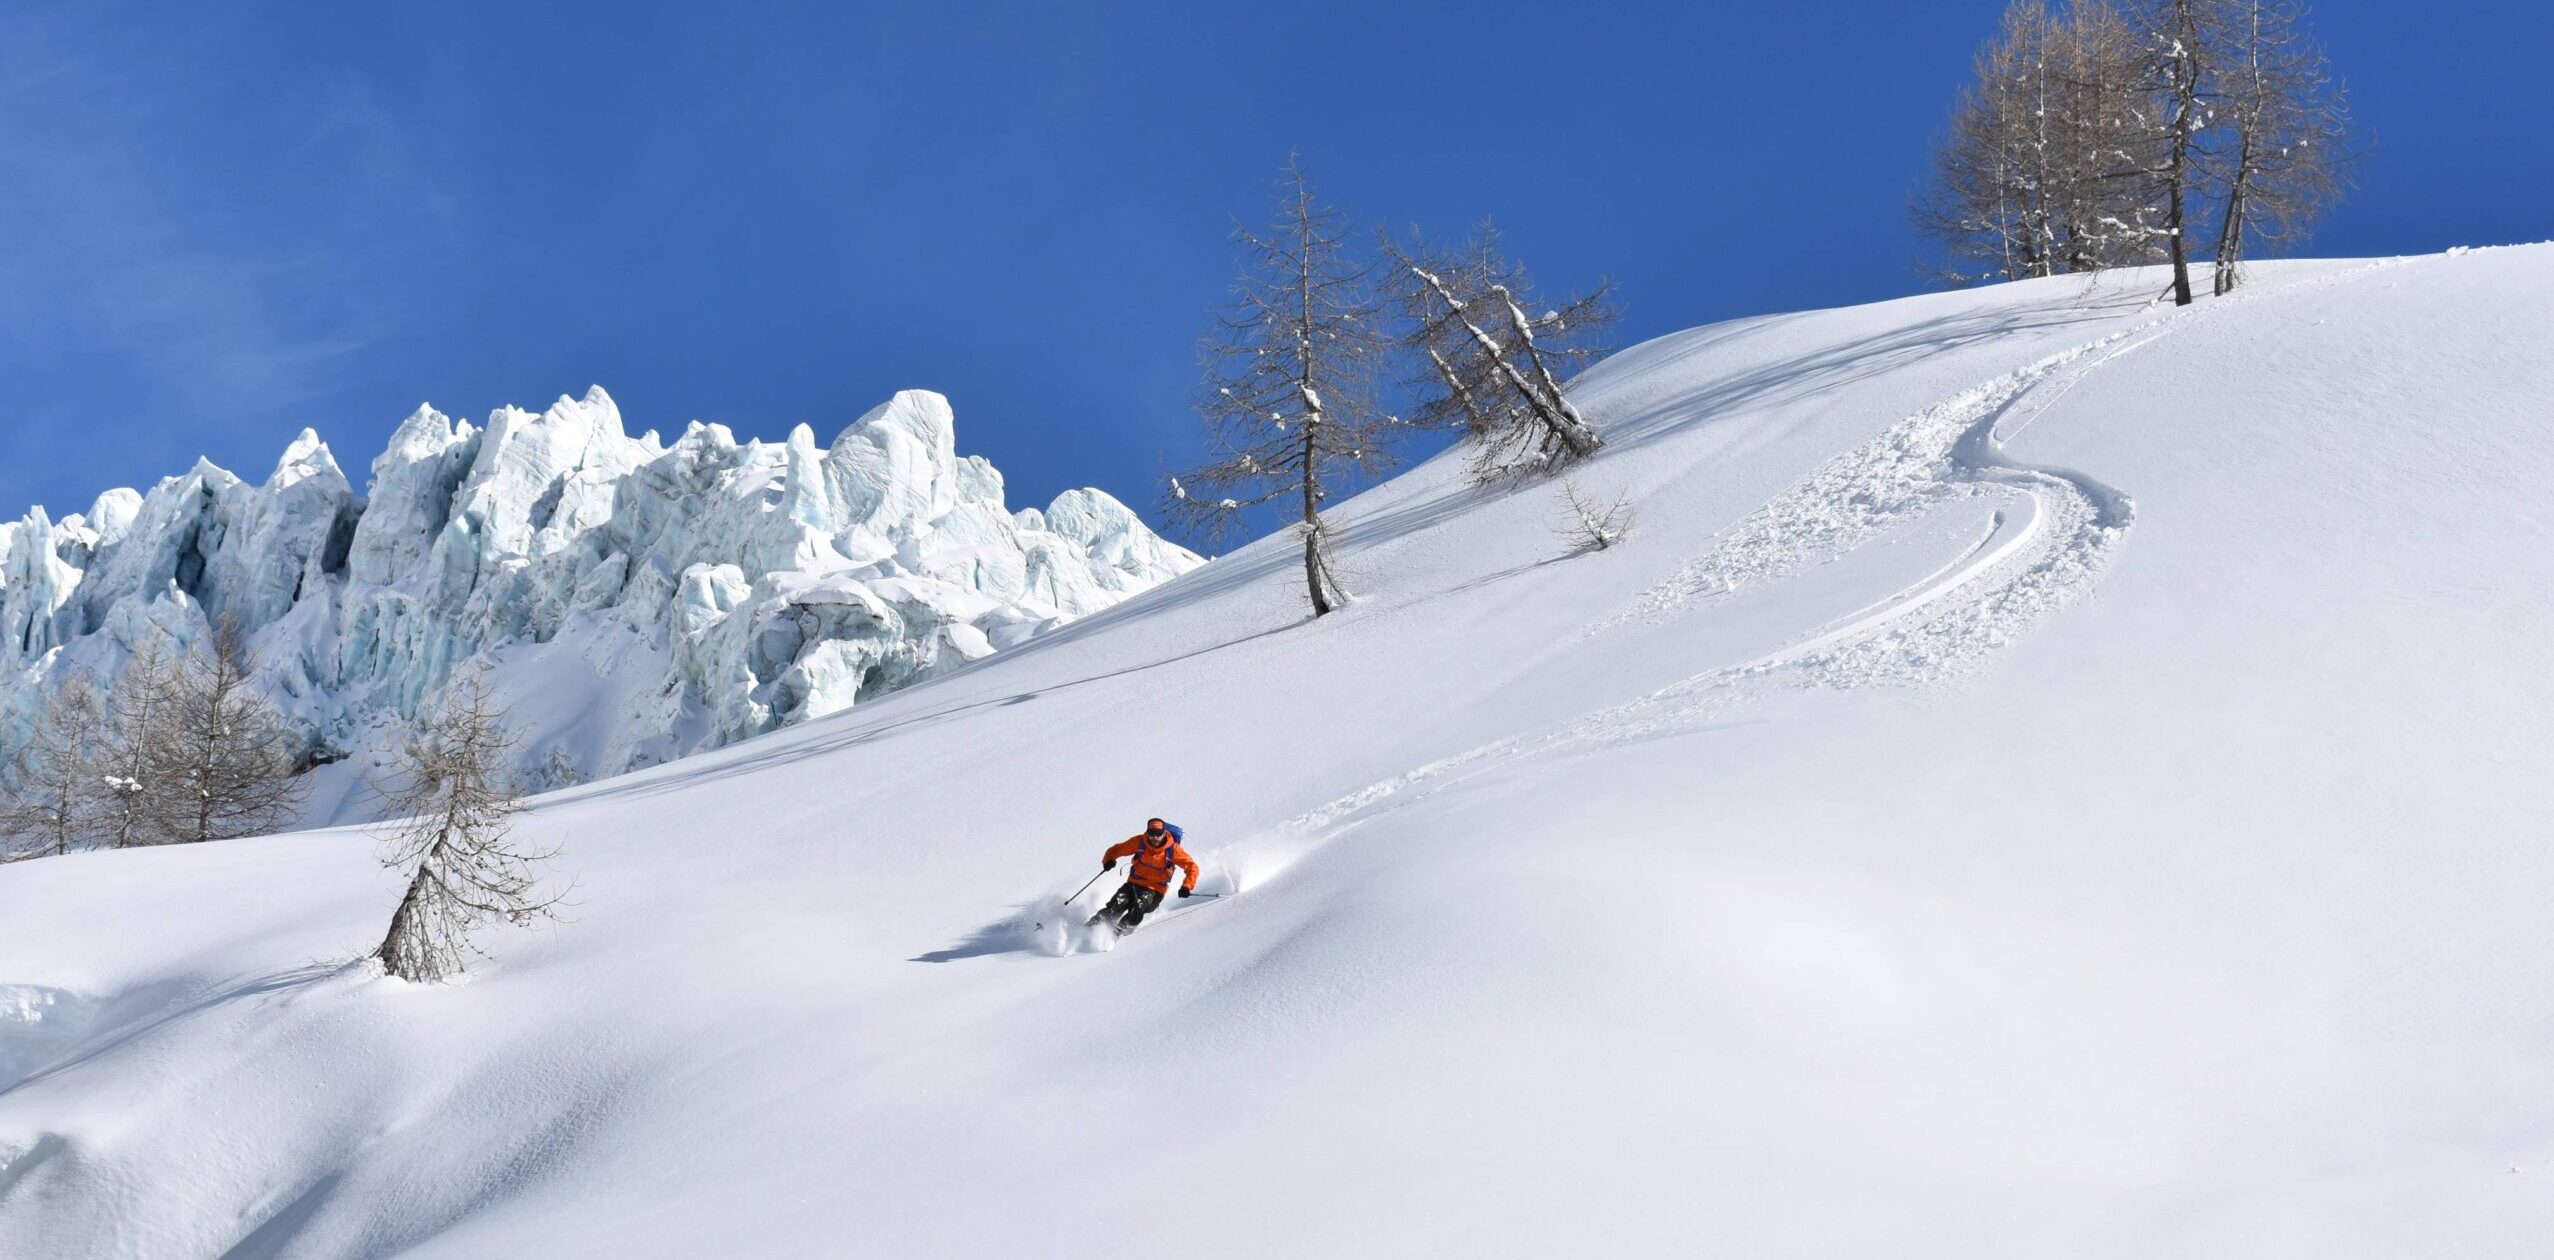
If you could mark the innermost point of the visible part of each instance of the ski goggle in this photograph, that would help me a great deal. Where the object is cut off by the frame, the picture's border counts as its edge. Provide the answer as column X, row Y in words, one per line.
column 1153, row 828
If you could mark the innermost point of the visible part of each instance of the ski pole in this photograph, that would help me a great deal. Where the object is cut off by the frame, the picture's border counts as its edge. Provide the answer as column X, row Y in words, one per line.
column 1086, row 885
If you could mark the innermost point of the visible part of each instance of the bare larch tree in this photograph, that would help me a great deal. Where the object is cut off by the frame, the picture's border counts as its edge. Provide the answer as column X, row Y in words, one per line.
column 1484, row 363
column 2182, row 39
column 1289, row 396
column 2287, row 119
column 132, row 799
column 2047, row 167
column 451, row 803
column 1996, row 178
column 52, row 789
column 2115, row 217
column 221, row 761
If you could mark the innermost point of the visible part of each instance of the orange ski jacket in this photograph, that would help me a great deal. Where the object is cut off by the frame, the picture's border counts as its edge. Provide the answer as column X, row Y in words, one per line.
column 1153, row 865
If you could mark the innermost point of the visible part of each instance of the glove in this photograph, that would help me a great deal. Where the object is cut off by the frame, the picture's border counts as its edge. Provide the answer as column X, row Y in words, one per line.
column 1185, row 892
column 1108, row 864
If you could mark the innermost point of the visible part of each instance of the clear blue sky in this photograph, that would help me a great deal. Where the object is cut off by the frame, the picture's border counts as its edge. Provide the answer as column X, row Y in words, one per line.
column 220, row 223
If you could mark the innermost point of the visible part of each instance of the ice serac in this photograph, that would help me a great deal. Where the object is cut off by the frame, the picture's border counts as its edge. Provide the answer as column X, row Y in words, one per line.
column 637, row 600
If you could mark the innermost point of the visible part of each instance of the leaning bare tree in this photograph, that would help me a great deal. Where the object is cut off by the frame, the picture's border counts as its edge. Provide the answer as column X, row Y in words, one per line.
column 51, row 790
column 452, row 801
column 1290, row 381
column 1486, row 364
column 2288, row 128
column 221, row 762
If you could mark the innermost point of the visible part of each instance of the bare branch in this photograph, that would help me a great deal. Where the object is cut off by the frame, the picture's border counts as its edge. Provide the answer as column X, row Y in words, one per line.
column 1594, row 522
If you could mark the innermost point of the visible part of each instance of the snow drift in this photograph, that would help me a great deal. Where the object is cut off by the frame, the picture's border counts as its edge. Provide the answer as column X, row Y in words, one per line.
column 640, row 600
column 2049, row 775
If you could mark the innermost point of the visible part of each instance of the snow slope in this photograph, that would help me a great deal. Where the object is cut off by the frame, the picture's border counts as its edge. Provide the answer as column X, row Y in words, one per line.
column 637, row 601
column 2049, row 775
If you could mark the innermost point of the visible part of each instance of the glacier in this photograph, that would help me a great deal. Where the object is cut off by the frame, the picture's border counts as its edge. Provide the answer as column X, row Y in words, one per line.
column 636, row 600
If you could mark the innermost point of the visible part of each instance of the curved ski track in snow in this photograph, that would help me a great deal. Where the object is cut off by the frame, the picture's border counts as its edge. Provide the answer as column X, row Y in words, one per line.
column 2047, row 542
column 1948, row 452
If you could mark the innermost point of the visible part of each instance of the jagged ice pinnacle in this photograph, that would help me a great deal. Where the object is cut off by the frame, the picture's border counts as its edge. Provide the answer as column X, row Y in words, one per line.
column 637, row 601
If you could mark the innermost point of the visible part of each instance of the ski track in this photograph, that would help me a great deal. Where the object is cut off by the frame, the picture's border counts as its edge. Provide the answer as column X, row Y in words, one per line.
column 2047, row 544
column 1946, row 452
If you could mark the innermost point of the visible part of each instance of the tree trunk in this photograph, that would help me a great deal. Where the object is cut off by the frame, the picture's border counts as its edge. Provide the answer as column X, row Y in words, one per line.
column 2230, row 233
column 1578, row 441
column 2177, row 171
column 2173, row 217
column 394, row 954
column 205, row 752
column 1316, row 565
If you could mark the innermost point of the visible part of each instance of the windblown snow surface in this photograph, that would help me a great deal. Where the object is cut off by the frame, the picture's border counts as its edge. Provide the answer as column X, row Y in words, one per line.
column 2049, row 775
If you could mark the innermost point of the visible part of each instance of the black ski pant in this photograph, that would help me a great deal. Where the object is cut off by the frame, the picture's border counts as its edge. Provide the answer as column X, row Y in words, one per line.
column 1131, row 904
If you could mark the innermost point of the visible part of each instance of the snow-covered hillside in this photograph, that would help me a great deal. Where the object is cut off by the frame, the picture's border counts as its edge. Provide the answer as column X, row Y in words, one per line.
column 639, row 601
column 2050, row 775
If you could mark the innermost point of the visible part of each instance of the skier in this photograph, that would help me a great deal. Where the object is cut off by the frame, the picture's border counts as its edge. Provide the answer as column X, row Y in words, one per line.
column 1155, row 853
